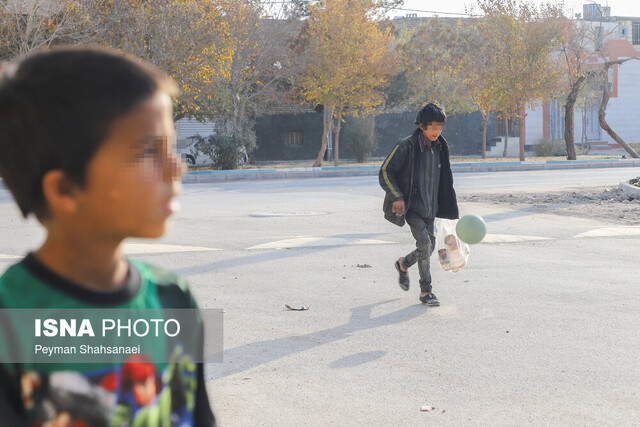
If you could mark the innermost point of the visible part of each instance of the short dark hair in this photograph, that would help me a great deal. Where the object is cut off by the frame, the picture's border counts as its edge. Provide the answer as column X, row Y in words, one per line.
column 431, row 112
column 56, row 109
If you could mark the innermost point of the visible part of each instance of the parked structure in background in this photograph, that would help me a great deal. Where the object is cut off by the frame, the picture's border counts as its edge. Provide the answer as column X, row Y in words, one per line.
column 186, row 129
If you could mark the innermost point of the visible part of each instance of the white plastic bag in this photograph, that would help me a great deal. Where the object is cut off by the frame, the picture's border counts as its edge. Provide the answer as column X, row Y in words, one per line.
column 453, row 253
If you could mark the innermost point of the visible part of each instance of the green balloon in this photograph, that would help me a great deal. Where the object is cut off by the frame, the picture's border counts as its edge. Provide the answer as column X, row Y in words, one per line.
column 471, row 229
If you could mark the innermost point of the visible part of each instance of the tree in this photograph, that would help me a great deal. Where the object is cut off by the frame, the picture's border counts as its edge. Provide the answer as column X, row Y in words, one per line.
column 433, row 58
column 25, row 26
column 477, row 72
column 300, row 9
column 184, row 38
column 524, row 36
column 589, row 98
column 347, row 62
column 452, row 62
column 575, row 55
column 605, row 100
column 259, row 70
column 576, row 51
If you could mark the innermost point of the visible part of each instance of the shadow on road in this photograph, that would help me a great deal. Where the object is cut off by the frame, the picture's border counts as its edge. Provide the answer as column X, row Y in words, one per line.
column 242, row 358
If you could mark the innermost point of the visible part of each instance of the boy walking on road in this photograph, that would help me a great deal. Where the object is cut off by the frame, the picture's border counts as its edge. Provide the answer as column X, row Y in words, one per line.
column 418, row 182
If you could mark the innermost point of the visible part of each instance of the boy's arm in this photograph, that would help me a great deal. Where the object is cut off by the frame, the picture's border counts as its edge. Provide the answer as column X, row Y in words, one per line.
column 9, row 415
column 390, row 170
column 203, row 415
column 174, row 292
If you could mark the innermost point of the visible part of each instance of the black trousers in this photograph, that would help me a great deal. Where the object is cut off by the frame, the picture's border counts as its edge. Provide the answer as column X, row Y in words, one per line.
column 423, row 231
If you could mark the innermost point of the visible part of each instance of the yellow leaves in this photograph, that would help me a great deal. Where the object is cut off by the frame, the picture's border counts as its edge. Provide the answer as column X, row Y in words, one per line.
column 72, row 8
column 350, row 55
column 519, row 64
column 184, row 38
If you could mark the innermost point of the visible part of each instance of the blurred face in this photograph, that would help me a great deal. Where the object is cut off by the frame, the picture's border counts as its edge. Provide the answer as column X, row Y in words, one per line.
column 133, row 178
column 432, row 130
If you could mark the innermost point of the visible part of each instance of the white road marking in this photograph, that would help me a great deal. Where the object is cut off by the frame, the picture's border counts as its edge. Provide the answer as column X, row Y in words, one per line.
column 285, row 214
column 310, row 241
column 611, row 232
column 313, row 241
column 511, row 238
column 144, row 248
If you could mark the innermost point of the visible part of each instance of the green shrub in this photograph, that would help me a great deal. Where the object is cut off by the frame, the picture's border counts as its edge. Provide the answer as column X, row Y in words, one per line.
column 555, row 147
column 358, row 135
column 227, row 147
column 546, row 148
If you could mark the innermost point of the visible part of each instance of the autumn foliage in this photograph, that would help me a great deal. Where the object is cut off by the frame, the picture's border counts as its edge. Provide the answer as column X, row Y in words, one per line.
column 184, row 38
column 347, row 61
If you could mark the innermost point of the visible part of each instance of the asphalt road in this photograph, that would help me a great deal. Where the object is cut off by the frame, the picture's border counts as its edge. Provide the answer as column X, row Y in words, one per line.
column 541, row 327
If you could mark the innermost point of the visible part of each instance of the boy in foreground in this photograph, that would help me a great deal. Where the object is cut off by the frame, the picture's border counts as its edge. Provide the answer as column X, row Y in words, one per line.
column 418, row 182
column 86, row 146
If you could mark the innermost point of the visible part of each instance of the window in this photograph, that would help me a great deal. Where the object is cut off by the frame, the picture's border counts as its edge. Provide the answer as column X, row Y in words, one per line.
column 293, row 137
column 636, row 33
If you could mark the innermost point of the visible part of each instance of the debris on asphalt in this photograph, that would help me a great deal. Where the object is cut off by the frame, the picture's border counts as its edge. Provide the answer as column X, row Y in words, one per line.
column 427, row 408
column 363, row 266
column 303, row 308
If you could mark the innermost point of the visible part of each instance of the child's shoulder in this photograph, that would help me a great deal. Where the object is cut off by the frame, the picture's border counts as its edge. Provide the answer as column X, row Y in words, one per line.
column 169, row 285
column 23, row 287
column 16, row 284
column 10, row 274
column 158, row 275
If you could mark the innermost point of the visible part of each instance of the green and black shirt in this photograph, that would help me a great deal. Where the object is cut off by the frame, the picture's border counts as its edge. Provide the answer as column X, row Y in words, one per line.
column 100, row 394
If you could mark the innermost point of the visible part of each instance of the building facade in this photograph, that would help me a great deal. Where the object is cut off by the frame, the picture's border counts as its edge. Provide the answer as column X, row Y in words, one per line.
column 618, row 38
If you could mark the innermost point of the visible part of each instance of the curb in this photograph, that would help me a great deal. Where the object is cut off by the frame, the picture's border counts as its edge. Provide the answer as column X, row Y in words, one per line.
column 338, row 172
column 333, row 172
column 284, row 173
column 630, row 190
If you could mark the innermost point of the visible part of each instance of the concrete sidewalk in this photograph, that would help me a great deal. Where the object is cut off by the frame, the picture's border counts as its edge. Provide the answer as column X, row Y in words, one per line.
column 332, row 172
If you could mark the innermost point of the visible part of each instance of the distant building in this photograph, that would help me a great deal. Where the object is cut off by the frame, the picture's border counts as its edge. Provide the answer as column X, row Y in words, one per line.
column 621, row 39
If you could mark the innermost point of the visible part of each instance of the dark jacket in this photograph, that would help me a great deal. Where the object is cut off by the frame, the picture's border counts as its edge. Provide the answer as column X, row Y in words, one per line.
column 396, row 179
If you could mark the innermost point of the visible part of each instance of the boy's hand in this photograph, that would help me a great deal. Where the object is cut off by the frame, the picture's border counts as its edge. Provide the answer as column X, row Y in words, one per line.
column 398, row 208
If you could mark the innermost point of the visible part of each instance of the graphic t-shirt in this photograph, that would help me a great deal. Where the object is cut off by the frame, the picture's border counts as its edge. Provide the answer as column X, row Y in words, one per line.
column 138, row 392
